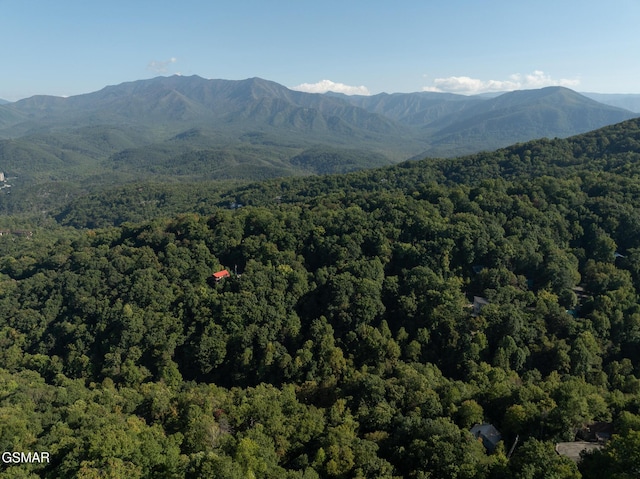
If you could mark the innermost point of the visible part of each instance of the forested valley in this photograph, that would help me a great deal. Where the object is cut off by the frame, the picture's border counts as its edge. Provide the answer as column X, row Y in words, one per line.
column 368, row 322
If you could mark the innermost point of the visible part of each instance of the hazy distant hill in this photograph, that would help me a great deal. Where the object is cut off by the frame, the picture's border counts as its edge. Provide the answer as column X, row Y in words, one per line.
column 420, row 108
column 255, row 121
column 457, row 124
column 172, row 102
column 177, row 127
column 520, row 116
column 621, row 100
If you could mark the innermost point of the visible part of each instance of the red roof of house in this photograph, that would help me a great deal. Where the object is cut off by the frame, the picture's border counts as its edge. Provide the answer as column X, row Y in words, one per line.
column 221, row 274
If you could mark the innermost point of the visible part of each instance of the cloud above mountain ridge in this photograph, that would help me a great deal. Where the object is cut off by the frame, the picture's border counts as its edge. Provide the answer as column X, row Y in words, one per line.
column 471, row 86
column 324, row 86
column 161, row 66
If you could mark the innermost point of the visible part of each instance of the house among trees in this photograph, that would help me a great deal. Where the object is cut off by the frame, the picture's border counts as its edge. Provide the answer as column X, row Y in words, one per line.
column 580, row 293
column 478, row 303
column 488, row 434
column 591, row 437
column 220, row 275
column 596, row 432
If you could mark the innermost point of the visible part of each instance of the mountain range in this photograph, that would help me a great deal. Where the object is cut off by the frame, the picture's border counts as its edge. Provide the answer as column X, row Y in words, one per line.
column 628, row 101
column 189, row 127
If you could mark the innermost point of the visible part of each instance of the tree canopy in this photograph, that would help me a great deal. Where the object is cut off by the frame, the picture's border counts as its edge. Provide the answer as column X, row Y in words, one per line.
column 368, row 322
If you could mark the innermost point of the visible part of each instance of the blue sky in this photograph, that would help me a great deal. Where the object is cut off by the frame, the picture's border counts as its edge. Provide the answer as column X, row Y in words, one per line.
column 68, row 47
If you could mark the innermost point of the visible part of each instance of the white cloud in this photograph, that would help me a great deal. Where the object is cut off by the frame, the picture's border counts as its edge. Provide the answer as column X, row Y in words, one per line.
column 471, row 86
column 160, row 66
column 324, row 86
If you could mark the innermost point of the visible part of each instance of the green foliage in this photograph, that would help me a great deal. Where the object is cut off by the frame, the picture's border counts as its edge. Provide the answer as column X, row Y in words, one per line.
column 619, row 459
column 537, row 460
column 345, row 342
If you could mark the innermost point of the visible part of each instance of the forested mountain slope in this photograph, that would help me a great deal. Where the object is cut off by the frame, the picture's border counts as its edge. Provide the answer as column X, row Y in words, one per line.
column 615, row 148
column 519, row 116
column 369, row 321
column 184, row 128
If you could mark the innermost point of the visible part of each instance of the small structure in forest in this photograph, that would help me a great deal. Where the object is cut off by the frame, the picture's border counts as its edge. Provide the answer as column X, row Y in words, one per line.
column 596, row 432
column 488, row 434
column 478, row 303
column 220, row 275
column 590, row 437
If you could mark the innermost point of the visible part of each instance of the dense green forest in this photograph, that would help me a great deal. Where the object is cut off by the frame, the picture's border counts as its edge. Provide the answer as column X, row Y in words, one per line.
column 369, row 321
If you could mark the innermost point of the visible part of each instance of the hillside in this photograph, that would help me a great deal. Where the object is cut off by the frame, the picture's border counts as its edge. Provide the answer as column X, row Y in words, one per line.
column 368, row 321
column 417, row 109
column 181, row 128
column 615, row 148
column 519, row 116
column 170, row 103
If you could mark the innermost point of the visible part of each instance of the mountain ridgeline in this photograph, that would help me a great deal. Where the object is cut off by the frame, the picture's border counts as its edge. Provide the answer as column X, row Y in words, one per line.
column 185, row 128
